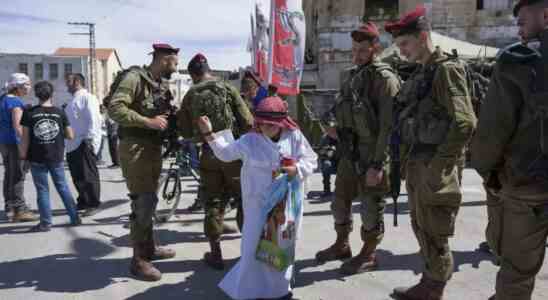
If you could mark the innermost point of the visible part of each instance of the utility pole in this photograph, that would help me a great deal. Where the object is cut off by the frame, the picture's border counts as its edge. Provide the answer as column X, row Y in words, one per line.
column 92, row 55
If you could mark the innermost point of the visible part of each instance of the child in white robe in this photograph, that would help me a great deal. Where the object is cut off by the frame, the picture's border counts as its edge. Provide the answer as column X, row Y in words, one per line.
column 276, row 136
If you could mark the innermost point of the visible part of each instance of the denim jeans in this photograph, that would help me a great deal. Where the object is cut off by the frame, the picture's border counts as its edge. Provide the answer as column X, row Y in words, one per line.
column 40, row 177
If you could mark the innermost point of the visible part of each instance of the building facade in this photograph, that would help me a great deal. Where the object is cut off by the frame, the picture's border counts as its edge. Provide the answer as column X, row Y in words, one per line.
column 108, row 65
column 42, row 67
column 329, row 23
column 55, row 67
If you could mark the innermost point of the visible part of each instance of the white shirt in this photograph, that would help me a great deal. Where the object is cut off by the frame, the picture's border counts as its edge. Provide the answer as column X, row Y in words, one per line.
column 85, row 119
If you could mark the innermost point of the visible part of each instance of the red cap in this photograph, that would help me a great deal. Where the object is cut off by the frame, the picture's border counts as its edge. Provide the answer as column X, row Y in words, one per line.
column 407, row 23
column 367, row 31
column 164, row 48
column 198, row 58
column 523, row 3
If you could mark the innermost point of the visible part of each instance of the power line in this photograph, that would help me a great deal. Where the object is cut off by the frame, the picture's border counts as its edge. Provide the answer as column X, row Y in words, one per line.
column 92, row 53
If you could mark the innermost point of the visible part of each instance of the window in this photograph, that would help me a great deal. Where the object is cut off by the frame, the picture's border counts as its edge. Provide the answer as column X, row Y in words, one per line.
column 68, row 69
column 493, row 4
column 381, row 9
column 38, row 72
column 53, row 71
column 24, row 68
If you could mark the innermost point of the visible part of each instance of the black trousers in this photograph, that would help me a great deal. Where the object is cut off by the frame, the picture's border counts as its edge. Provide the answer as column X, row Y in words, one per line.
column 85, row 175
column 113, row 149
column 14, row 178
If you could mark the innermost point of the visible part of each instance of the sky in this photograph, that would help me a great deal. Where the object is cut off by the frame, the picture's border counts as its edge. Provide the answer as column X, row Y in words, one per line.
column 219, row 29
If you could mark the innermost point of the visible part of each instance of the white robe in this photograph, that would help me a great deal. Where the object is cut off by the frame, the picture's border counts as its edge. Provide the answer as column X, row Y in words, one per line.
column 250, row 278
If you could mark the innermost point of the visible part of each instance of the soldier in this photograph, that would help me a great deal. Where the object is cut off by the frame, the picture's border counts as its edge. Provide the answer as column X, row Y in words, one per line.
column 436, row 122
column 363, row 116
column 250, row 86
column 328, row 159
column 220, row 181
column 510, row 152
column 138, row 105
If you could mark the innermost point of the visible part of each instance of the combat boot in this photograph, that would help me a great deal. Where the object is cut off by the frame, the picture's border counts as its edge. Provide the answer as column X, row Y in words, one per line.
column 366, row 260
column 141, row 267
column 214, row 258
column 340, row 249
column 426, row 289
column 154, row 252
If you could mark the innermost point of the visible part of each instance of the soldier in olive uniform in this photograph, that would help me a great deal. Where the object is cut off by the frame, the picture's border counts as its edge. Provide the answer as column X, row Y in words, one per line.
column 510, row 151
column 139, row 105
column 363, row 116
column 220, row 181
column 437, row 122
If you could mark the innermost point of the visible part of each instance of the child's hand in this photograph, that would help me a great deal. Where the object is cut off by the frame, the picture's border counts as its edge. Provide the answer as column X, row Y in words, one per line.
column 204, row 124
column 291, row 171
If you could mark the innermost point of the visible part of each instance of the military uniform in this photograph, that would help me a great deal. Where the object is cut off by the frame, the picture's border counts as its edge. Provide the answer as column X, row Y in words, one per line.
column 363, row 116
column 510, row 152
column 435, row 120
column 135, row 98
column 328, row 159
column 220, row 181
column 438, row 122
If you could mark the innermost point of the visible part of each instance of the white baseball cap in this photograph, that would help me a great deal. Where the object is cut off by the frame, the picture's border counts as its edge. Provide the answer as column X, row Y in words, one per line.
column 17, row 79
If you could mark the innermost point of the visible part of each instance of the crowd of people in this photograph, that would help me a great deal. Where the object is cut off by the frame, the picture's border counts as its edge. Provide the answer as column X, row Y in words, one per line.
column 247, row 139
column 36, row 138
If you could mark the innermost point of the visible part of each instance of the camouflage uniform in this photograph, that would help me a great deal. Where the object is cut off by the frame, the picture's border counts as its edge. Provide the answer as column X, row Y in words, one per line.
column 219, row 180
column 510, row 151
column 363, row 120
column 135, row 98
column 140, row 148
column 437, row 122
column 328, row 159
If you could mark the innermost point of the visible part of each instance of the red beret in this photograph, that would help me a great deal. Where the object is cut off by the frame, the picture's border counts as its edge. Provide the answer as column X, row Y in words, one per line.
column 523, row 3
column 366, row 31
column 197, row 62
column 198, row 58
column 162, row 47
column 408, row 23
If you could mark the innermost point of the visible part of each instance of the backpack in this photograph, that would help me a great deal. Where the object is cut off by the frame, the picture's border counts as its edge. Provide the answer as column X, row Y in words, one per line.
column 119, row 77
column 213, row 99
column 478, row 74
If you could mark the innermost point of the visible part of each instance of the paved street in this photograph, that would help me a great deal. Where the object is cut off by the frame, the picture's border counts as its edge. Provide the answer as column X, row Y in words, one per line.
column 91, row 261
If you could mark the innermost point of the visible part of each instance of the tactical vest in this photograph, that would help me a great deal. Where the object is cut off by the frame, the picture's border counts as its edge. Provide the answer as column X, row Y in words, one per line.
column 212, row 99
column 422, row 120
column 153, row 99
column 356, row 113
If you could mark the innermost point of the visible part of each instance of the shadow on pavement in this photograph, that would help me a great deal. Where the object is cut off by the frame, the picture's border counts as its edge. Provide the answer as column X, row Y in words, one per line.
column 167, row 237
column 201, row 284
column 387, row 262
column 87, row 270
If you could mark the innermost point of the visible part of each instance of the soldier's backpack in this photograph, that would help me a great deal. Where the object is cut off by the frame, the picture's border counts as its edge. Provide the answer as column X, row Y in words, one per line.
column 213, row 99
column 478, row 74
column 119, row 77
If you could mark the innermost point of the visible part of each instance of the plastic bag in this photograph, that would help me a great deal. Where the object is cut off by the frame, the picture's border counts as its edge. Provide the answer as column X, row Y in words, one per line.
column 282, row 213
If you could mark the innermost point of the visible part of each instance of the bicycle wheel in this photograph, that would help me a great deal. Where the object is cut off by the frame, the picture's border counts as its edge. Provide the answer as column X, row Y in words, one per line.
column 169, row 195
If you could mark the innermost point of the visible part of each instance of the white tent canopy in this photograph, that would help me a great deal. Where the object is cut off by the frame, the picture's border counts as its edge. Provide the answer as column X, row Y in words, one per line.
column 447, row 44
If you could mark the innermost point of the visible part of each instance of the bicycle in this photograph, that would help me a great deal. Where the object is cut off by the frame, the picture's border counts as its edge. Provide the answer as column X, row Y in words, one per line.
column 170, row 187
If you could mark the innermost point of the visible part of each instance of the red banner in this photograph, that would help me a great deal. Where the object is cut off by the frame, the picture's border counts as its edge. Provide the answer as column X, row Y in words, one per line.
column 288, row 46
